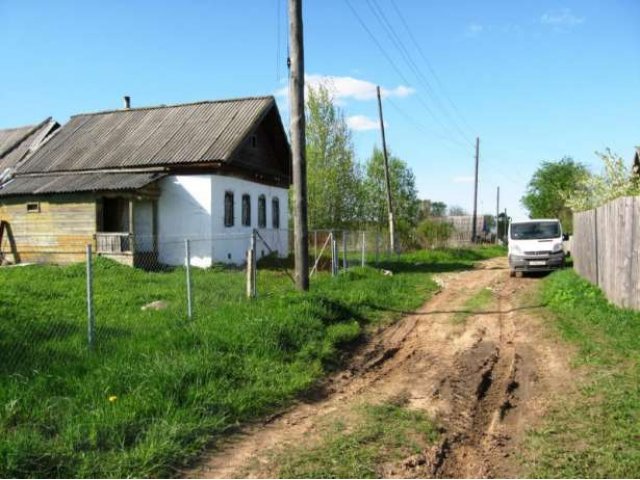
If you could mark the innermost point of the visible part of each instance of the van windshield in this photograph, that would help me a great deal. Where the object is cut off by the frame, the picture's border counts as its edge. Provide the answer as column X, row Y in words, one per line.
column 535, row 230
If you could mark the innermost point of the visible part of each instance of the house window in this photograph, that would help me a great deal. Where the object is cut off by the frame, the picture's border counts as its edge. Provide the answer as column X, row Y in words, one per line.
column 228, row 209
column 262, row 211
column 33, row 207
column 275, row 212
column 246, row 210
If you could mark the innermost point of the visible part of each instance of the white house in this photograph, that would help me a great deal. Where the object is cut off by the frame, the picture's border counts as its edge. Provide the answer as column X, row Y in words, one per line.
column 137, row 182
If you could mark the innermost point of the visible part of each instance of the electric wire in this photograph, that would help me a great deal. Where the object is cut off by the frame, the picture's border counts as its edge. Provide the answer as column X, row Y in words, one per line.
column 375, row 8
column 429, row 66
column 393, row 63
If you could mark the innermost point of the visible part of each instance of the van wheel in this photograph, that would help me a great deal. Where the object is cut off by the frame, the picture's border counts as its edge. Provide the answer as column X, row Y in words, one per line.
column 519, row 274
column 512, row 273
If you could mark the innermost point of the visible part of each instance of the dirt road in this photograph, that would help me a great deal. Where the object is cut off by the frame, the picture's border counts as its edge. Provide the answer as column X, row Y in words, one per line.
column 484, row 375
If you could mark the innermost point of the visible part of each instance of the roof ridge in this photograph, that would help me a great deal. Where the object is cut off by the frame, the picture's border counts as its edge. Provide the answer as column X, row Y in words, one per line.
column 31, row 126
column 174, row 105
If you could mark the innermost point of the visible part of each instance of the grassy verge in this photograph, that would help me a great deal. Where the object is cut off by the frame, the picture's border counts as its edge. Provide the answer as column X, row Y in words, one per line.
column 477, row 303
column 384, row 434
column 597, row 433
column 157, row 388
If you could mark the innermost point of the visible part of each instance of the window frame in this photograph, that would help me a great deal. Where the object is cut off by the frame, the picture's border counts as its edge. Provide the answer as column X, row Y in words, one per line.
column 246, row 210
column 275, row 213
column 229, row 215
column 262, row 211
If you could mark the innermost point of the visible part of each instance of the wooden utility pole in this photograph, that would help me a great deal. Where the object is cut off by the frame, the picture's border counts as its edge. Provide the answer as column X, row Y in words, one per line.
column 392, row 244
column 497, row 212
column 298, row 146
column 474, row 232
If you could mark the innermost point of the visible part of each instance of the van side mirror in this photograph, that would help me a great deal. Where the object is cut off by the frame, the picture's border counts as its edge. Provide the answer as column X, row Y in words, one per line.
column 565, row 237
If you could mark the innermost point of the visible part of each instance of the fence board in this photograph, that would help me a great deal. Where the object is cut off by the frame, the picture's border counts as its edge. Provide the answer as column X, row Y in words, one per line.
column 634, row 301
column 606, row 249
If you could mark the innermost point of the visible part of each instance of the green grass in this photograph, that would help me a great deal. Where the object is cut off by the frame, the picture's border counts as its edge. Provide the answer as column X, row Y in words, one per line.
column 475, row 304
column 384, row 433
column 596, row 433
column 157, row 388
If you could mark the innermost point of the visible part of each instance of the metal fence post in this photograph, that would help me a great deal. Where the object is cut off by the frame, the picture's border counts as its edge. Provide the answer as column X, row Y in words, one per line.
column 250, row 271
column 334, row 255
column 344, row 249
column 364, row 243
column 315, row 244
column 252, row 267
column 187, row 261
column 90, row 317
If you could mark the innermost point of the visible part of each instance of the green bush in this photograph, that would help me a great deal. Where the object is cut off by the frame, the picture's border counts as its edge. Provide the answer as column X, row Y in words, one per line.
column 434, row 233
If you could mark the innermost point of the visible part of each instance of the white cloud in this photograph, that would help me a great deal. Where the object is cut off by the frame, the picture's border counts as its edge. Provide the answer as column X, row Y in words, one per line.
column 344, row 88
column 362, row 123
column 463, row 179
column 561, row 18
column 474, row 29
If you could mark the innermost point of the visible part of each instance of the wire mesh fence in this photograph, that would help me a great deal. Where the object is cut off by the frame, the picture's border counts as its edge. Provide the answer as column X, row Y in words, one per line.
column 96, row 289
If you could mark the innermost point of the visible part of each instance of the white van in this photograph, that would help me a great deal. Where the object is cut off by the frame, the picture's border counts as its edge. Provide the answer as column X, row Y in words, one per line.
column 535, row 245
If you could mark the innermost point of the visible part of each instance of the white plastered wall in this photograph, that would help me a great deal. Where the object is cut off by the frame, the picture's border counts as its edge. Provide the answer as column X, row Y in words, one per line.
column 231, row 243
column 184, row 212
column 192, row 206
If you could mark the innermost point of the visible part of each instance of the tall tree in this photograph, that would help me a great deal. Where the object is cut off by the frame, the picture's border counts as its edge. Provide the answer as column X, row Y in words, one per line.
column 429, row 209
column 549, row 188
column 438, row 209
column 403, row 190
column 333, row 175
column 456, row 210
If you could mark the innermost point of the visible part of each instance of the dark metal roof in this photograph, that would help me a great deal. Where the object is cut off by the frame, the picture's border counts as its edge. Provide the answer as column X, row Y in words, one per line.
column 15, row 143
column 77, row 182
column 143, row 137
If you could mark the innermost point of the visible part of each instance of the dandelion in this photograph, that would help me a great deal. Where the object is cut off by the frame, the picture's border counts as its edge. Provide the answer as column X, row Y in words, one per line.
column 113, row 398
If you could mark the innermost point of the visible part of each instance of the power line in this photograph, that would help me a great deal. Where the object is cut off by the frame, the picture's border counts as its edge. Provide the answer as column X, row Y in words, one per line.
column 393, row 63
column 429, row 66
column 422, row 128
column 374, row 6
column 397, row 42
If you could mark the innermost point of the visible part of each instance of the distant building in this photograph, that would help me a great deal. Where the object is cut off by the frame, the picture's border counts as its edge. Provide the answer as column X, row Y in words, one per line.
column 135, row 183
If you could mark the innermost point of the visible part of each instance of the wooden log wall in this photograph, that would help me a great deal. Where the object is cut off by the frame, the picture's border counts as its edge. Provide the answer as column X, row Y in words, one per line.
column 56, row 232
column 606, row 249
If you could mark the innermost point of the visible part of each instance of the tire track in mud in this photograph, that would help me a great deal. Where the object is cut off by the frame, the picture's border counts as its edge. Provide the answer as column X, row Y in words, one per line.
column 482, row 382
column 483, row 392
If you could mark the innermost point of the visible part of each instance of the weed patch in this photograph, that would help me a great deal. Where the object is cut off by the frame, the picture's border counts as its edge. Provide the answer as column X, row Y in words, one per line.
column 477, row 303
column 384, row 434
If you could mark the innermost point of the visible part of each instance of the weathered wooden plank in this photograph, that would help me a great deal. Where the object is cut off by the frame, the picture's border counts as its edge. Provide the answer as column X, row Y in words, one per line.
column 57, row 232
column 634, row 296
column 606, row 249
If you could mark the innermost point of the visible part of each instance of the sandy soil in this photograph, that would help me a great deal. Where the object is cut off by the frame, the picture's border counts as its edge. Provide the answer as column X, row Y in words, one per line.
column 484, row 379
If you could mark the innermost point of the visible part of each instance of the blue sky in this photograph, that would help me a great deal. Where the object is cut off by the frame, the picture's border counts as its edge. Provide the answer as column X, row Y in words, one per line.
column 535, row 80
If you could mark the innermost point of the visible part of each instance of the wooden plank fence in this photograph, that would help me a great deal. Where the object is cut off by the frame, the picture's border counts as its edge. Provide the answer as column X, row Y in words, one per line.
column 606, row 249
